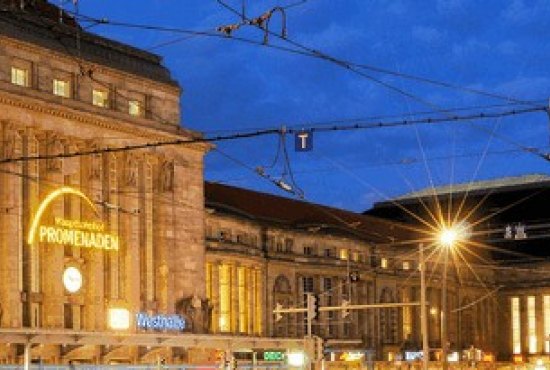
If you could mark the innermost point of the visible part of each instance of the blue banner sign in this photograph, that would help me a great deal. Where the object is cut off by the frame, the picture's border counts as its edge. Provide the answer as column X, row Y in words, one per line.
column 160, row 322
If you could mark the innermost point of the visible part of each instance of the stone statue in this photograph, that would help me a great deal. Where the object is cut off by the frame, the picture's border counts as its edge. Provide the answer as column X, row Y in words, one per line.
column 166, row 180
column 55, row 147
column 130, row 171
column 197, row 313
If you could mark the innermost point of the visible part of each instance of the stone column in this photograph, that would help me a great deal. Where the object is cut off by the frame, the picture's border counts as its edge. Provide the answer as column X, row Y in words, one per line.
column 130, row 230
column 163, row 234
column 110, row 196
column 52, row 255
column 215, row 296
column 92, row 184
column 11, row 231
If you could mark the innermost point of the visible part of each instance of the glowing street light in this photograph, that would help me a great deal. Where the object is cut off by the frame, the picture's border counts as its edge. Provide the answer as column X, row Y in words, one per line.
column 448, row 238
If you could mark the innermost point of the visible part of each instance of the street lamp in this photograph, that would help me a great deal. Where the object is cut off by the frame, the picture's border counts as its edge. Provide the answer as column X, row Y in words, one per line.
column 448, row 237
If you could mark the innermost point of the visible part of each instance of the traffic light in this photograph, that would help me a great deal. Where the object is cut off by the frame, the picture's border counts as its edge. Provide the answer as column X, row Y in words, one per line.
column 345, row 311
column 277, row 312
column 312, row 306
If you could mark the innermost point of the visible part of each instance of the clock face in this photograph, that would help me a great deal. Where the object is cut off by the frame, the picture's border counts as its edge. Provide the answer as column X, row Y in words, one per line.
column 72, row 279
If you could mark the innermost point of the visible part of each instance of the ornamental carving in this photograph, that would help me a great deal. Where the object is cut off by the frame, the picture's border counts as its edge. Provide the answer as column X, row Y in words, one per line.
column 130, row 170
column 11, row 142
column 166, row 178
column 197, row 313
column 95, row 167
column 54, row 147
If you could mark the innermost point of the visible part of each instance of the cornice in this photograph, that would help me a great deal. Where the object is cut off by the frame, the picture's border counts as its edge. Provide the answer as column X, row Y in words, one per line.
column 102, row 122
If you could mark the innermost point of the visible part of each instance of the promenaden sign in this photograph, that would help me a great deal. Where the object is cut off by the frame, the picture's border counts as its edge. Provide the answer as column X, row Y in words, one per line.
column 160, row 322
column 85, row 234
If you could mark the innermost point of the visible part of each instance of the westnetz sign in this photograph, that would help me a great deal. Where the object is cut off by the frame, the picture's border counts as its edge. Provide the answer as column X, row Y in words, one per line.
column 160, row 322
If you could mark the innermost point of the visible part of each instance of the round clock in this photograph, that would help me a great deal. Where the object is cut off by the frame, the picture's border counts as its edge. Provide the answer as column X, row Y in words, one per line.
column 72, row 279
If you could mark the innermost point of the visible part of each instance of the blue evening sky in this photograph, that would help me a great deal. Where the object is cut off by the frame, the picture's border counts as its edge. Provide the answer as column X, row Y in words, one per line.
column 497, row 46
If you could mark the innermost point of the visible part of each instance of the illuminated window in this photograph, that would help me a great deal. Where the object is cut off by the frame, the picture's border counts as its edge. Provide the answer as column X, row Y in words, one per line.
column 384, row 263
column 516, row 326
column 344, row 254
column 406, row 265
column 61, row 88
column 532, row 324
column 100, row 98
column 546, row 308
column 225, row 298
column 19, row 76
column 355, row 256
column 243, row 299
column 258, row 304
column 407, row 315
column 134, row 108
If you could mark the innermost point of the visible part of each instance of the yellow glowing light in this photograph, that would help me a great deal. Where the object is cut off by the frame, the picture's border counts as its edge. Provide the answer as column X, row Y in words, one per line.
column 297, row 359
column 46, row 202
column 448, row 237
column 119, row 318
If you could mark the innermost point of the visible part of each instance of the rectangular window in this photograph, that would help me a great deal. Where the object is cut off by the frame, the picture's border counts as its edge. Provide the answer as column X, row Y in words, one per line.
column 384, row 263
column 100, row 98
column 532, row 324
column 225, row 298
column 546, row 308
column 307, row 284
column 406, row 265
column 308, row 250
column 61, row 88
column 19, row 76
column 355, row 256
column 516, row 326
column 407, row 316
column 244, row 289
column 289, row 245
column 344, row 253
column 134, row 108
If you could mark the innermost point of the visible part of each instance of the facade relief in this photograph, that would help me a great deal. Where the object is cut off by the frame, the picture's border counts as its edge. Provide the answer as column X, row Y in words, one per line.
column 130, row 174
column 197, row 313
column 166, row 176
column 11, row 141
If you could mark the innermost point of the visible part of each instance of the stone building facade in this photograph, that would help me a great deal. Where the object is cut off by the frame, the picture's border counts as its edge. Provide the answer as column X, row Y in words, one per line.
column 298, row 248
column 62, row 91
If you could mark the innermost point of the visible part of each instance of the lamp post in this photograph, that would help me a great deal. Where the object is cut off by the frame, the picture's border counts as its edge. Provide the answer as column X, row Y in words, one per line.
column 447, row 237
column 423, row 310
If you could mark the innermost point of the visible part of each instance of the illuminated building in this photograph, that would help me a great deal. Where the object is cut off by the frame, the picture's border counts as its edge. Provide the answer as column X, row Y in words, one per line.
column 89, row 242
column 505, row 310
column 106, row 256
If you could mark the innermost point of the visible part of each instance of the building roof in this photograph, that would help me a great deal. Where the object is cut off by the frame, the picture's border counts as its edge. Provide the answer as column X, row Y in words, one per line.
column 299, row 214
column 42, row 23
column 503, row 184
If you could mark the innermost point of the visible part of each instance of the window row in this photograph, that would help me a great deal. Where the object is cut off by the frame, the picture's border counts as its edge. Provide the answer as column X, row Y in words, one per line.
column 101, row 96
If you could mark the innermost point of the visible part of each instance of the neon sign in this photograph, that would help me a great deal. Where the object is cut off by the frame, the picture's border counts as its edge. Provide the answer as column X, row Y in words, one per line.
column 160, row 322
column 86, row 234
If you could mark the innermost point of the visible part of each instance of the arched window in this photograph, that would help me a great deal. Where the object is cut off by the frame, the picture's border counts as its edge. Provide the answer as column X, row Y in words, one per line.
column 388, row 318
column 282, row 294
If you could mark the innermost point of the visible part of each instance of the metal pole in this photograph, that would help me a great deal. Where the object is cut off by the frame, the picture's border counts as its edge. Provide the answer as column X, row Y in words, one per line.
column 423, row 311
column 308, row 334
column 308, row 316
column 444, row 312
column 27, row 355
